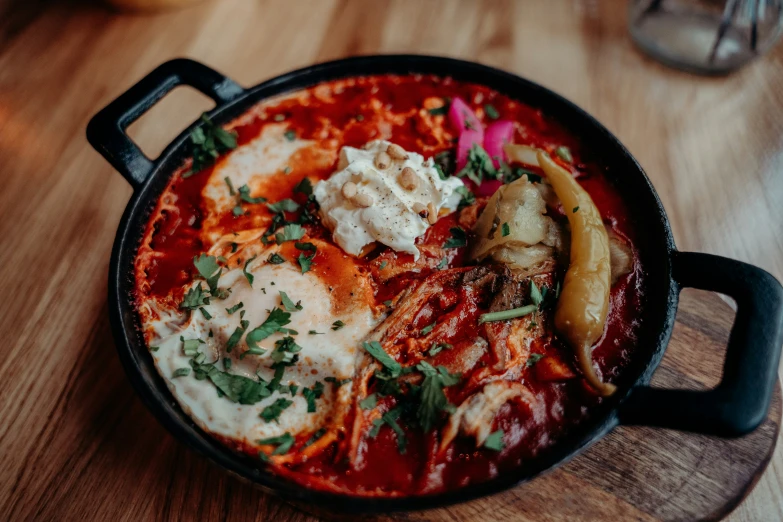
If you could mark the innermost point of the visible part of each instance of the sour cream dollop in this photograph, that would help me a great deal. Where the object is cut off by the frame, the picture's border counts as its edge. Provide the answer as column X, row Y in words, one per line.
column 390, row 217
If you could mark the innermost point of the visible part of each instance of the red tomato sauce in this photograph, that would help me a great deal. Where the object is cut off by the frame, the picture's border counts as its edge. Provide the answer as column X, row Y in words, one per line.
column 353, row 112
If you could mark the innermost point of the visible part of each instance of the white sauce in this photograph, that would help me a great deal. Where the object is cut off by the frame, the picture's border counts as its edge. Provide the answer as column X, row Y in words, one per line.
column 390, row 219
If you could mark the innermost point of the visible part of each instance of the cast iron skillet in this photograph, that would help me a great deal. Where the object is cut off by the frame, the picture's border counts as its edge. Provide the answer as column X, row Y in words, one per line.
column 735, row 407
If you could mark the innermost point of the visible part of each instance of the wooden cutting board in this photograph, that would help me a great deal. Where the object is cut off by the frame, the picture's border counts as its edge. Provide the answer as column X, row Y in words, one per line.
column 102, row 456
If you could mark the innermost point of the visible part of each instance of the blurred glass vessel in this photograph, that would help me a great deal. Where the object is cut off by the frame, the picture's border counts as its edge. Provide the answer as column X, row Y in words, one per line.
column 705, row 36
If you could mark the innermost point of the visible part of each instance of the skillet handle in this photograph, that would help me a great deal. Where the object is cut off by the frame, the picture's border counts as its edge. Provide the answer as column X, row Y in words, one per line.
column 739, row 404
column 106, row 130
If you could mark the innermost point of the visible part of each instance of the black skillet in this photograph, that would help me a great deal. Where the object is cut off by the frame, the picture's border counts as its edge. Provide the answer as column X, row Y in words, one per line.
column 735, row 407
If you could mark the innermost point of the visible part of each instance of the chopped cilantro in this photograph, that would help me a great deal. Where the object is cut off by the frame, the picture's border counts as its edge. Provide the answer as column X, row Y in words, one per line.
column 307, row 247
column 458, row 238
column 468, row 198
column 180, row 372
column 275, row 322
column 337, row 383
column 375, row 349
column 442, row 263
column 210, row 270
column 205, row 313
column 383, row 264
column 533, row 359
column 438, row 111
column 337, row 325
column 317, row 435
column 290, row 135
column 276, row 259
column 368, row 402
column 252, row 351
column 491, row 111
column 479, row 166
column 247, row 274
column 154, row 348
column 304, row 187
column 291, row 232
column 237, row 335
column 427, row 329
column 283, row 443
column 235, row 308
column 313, row 332
column 207, row 143
column 273, row 411
column 288, row 304
column 244, row 195
column 390, row 418
column 432, row 399
column 285, row 351
column 535, row 294
column 305, row 262
column 285, row 205
column 194, row 298
column 576, row 209
column 439, row 347
column 230, row 186
column 505, row 230
column 494, row 441
column 388, row 302
column 226, row 363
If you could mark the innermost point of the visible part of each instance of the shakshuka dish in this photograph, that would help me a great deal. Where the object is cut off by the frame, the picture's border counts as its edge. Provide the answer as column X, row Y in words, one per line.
column 389, row 285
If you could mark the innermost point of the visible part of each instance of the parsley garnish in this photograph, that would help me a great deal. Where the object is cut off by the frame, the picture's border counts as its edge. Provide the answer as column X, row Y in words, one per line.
column 290, row 135
column 307, row 247
column 180, row 372
column 383, row 264
column 507, row 314
column 205, row 313
column 505, row 229
column 442, row 263
column 231, row 190
column 337, row 383
column 368, row 402
column 337, row 325
column 533, row 359
column 535, row 294
column 244, row 195
column 478, row 166
column 288, row 304
column 237, row 335
column 313, row 332
column 311, row 394
column 427, row 329
column 390, row 418
column 275, row 322
column 304, row 187
column 207, row 143
column 285, row 205
column 194, row 298
column 438, row 111
column 458, row 238
column 291, row 232
column 375, row 349
column 235, row 308
column 576, row 208
column 273, row 411
column 283, row 443
column 247, row 274
column 432, row 399
column 209, row 269
column 468, row 198
column 494, row 441
column 154, row 348
column 305, row 262
column 276, row 259
column 438, row 347
column 491, row 111
column 252, row 351
column 285, row 351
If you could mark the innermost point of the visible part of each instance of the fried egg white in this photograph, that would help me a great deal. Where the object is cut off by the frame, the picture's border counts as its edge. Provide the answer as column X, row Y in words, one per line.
column 331, row 352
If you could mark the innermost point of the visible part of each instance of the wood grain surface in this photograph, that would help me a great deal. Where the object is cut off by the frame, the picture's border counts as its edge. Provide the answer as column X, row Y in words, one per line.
column 75, row 442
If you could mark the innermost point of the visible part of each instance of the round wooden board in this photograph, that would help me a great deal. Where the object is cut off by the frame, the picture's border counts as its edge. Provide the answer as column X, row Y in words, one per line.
column 104, row 457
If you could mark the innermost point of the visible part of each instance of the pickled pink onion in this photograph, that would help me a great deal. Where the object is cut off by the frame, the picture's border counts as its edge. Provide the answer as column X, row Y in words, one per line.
column 497, row 135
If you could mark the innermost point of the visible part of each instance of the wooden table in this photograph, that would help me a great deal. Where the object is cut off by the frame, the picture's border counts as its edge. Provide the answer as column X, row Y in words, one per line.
column 713, row 148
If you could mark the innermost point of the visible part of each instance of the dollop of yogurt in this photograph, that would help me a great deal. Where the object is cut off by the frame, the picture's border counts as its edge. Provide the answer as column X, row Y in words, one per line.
column 385, row 207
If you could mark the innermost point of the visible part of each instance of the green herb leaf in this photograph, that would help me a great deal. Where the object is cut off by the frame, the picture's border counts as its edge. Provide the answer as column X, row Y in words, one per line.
column 252, row 351
column 305, row 262
column 307, row 247
column 304, row 187
column 458, row 238
column 468, row 198
column 439, row 347
column 505, row 230
column 439, row 111
column 207, row 143
column 432, row 399
column 291, row 232
column 375, row 349
column 230, row 186
column 369, row 402
column 274, row 410
column 284, row 443
column 276, row 259
column 576, row 209
column 491, row 111
column 494, row 441
column 285, row 205
column 535, row 294
column 209, row 269
column 427, row 329
column 237, row 335
column 180, row 372
column 313, row 332
column 276, row 320
column 235, row 308
column 194, row 298
column 337, row 325
column 479, row 166
column 533, row 359
column 288, row 304
column 285, row 351
column 250, row 278
column 564, row 153
column 154, row 348
column 244, row 195
column 507, row 314
column 238, row 388
column 337, row 383
column 442, row 263
column 290, row 135
column 205, row 313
